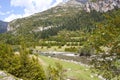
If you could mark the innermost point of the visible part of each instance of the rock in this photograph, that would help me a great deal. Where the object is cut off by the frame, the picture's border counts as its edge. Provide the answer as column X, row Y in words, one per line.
column 91, row 76
column 6, row 76
column 2, row 74
column 102, row 5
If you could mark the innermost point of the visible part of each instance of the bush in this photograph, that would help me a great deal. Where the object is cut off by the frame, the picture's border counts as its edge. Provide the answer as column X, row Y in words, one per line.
column 71, row 49
column 20, row 65
column 86, row 51
column 56, row 73
column 59, row 47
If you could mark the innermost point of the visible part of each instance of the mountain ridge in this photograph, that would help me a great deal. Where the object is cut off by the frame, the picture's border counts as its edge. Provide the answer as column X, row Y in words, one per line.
column 70, row 6
column 61, row 9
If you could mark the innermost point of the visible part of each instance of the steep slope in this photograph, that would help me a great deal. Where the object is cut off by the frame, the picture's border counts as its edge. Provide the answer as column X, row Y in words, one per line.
column 50, row 18
column 102, row 5
column 55, row 16
column 31, row 27
column 67, row 15
column 3, row 26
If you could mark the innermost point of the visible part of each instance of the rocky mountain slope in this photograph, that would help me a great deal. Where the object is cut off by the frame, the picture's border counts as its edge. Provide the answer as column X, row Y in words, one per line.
column 3, row 26
column 49, row 18
column 102, row 5
column 55, row 16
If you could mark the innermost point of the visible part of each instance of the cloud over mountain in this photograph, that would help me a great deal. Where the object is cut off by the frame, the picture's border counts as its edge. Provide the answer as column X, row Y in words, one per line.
column 30, row 7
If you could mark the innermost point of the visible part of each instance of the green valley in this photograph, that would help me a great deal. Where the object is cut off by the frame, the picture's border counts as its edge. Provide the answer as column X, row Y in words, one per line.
column 56, row 44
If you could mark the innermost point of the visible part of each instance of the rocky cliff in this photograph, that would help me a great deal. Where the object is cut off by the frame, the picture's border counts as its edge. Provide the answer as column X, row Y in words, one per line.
column 6, row 76
column 102, row 5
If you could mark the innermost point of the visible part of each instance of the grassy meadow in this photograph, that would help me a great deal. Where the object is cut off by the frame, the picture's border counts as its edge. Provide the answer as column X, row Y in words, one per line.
column 73, row 71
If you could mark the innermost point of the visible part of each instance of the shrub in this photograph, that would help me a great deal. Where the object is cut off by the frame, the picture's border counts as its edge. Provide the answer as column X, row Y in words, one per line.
column 56, row 73
column 20, row 65
column 71, row 49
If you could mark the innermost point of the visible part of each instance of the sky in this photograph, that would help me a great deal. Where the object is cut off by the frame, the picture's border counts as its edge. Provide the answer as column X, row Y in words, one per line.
column 13, row 9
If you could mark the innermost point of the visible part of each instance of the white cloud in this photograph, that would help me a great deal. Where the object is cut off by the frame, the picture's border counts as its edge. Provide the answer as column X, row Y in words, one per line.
column 12, row 17
column 31, row 6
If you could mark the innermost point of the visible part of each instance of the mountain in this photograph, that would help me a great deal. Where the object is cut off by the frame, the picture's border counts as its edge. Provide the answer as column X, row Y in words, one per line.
column 102, row 5
column 52, row 16
column 76, row 25
column 70, row 15
column 3, row 26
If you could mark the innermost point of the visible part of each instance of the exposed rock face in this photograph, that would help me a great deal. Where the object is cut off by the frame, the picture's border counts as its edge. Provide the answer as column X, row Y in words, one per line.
column 6, row 76
column 9, row 28
column 102, row 5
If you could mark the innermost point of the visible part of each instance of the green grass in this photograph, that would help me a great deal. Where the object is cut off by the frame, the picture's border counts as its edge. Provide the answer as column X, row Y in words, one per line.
column 1, row 77
column 74, row 71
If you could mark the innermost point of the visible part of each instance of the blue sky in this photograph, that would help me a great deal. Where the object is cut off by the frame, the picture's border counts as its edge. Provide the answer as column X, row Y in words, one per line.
column 12, row 9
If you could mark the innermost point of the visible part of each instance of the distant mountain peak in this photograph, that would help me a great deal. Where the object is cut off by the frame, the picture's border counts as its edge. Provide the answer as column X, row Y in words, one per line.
column 3, row 26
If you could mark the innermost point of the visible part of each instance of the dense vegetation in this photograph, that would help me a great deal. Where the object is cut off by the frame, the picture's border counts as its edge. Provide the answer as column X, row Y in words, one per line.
column 102, row 37
column 82, row 21
column 26, row 66
column 106, row 40
column 20, row 64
